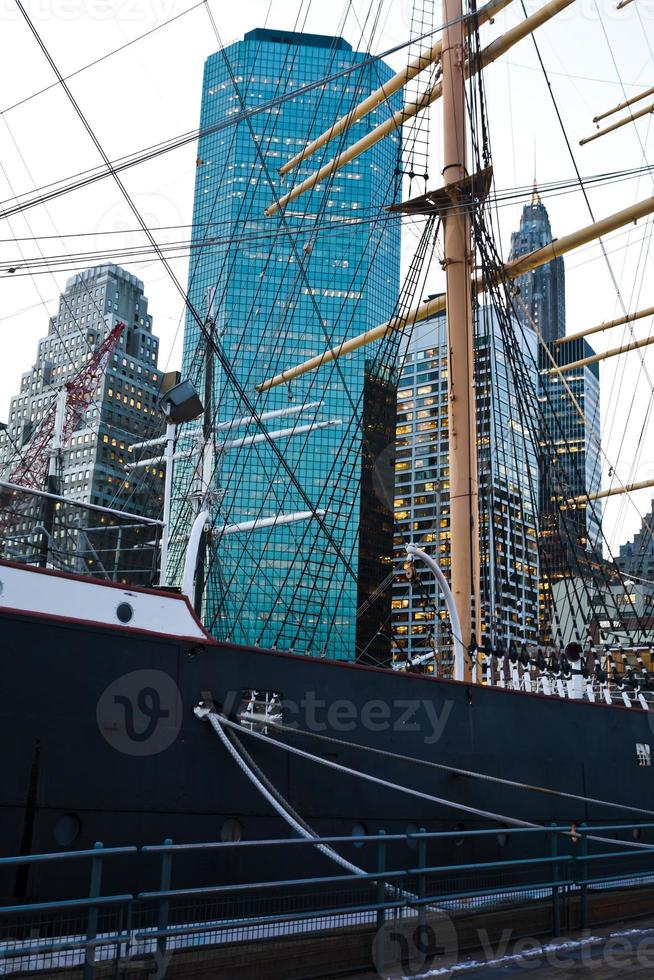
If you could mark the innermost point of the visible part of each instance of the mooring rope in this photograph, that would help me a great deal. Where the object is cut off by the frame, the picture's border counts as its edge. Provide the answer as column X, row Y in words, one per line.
column 207, row 711
column 455, row 770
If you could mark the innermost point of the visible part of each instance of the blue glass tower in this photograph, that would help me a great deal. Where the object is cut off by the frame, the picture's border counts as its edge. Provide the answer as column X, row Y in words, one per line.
column 284, row 288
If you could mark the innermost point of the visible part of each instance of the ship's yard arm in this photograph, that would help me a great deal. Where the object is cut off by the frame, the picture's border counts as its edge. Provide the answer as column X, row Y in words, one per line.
column 599, row 327
column 603, row 355
column 560, row 369
column 494, row 50
column 624, row 105
column 612, row 492
column 632, row 117
column 427, row 57
column 511, row 270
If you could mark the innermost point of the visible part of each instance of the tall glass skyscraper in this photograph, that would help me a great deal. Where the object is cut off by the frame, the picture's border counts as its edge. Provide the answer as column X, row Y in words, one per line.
column 508, row 488
column 570, row 448
column 284, row 288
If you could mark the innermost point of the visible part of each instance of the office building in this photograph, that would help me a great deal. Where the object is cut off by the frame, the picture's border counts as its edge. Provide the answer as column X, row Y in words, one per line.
column 122, row 410
column 282, row 289
column 637, row 556
column 508, row 488
column 569, row 456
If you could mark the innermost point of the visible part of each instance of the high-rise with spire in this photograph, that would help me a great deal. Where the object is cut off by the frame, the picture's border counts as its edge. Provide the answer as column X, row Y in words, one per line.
column 543, row 290
column 569, row 461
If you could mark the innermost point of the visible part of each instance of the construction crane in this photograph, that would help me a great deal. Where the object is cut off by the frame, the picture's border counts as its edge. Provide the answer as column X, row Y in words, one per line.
column 39, row 462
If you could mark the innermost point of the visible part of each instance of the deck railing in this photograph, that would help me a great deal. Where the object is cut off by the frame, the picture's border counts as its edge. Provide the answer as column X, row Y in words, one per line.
column 403, row 886
column 105, row 542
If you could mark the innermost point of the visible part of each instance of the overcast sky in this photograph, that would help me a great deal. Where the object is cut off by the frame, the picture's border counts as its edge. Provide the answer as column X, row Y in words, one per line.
column 151, row 92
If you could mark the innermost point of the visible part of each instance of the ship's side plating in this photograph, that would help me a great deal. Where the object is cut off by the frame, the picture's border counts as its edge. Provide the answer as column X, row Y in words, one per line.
column 100, row 742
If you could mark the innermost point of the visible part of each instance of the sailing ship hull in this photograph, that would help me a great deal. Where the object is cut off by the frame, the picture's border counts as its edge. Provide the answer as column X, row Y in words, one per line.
column 80, row 764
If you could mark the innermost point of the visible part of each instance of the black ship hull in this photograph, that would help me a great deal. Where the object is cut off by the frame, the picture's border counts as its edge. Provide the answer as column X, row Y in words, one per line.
column 101, row 743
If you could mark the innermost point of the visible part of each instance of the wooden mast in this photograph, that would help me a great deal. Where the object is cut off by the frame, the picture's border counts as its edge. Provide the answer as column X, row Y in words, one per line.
column 490, row 54
column 380, row 95
column 464, row 487
column 511, row 270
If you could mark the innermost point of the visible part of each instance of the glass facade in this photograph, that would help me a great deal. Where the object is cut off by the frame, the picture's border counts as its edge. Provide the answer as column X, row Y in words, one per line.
column 508, row 484
column 637, row 556
column 570, row 449
column 570, row 446
column 285, row 287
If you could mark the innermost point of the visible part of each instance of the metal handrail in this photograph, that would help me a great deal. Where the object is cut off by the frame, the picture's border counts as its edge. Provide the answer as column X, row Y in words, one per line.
column 66, row 903
column 561, row 871
column 67, row 855
column 369, row 838
column 365, row 876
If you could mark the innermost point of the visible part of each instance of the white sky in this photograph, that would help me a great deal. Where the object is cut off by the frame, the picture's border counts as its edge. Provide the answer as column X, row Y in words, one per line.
column 151, row 92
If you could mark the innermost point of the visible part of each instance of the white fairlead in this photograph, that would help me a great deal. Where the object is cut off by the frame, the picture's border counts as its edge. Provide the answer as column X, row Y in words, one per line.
column 204, row 518
column 192, row 551
column 459, row 664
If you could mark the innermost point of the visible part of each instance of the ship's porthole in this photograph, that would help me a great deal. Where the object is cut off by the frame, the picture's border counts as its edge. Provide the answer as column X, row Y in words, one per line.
column 412, row 828
column 231, row 831
column 359, row 831
column 124, row 612
column 66, row 829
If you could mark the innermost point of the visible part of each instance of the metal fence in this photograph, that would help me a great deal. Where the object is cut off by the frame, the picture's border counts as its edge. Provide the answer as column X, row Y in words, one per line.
column 107, row 934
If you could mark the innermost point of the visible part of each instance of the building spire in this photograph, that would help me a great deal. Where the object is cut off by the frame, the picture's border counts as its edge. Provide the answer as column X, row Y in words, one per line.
column 535, row 196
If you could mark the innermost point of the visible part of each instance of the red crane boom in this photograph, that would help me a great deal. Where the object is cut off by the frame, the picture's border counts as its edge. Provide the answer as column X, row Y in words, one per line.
column 32, row 470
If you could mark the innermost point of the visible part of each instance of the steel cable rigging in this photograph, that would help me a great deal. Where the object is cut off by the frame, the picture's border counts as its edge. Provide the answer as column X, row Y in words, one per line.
column 279, row 346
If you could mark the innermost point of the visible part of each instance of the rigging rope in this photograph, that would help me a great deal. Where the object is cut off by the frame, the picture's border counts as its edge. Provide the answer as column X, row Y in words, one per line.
column 504, row 301
column 247, row 402
column 566, row 139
